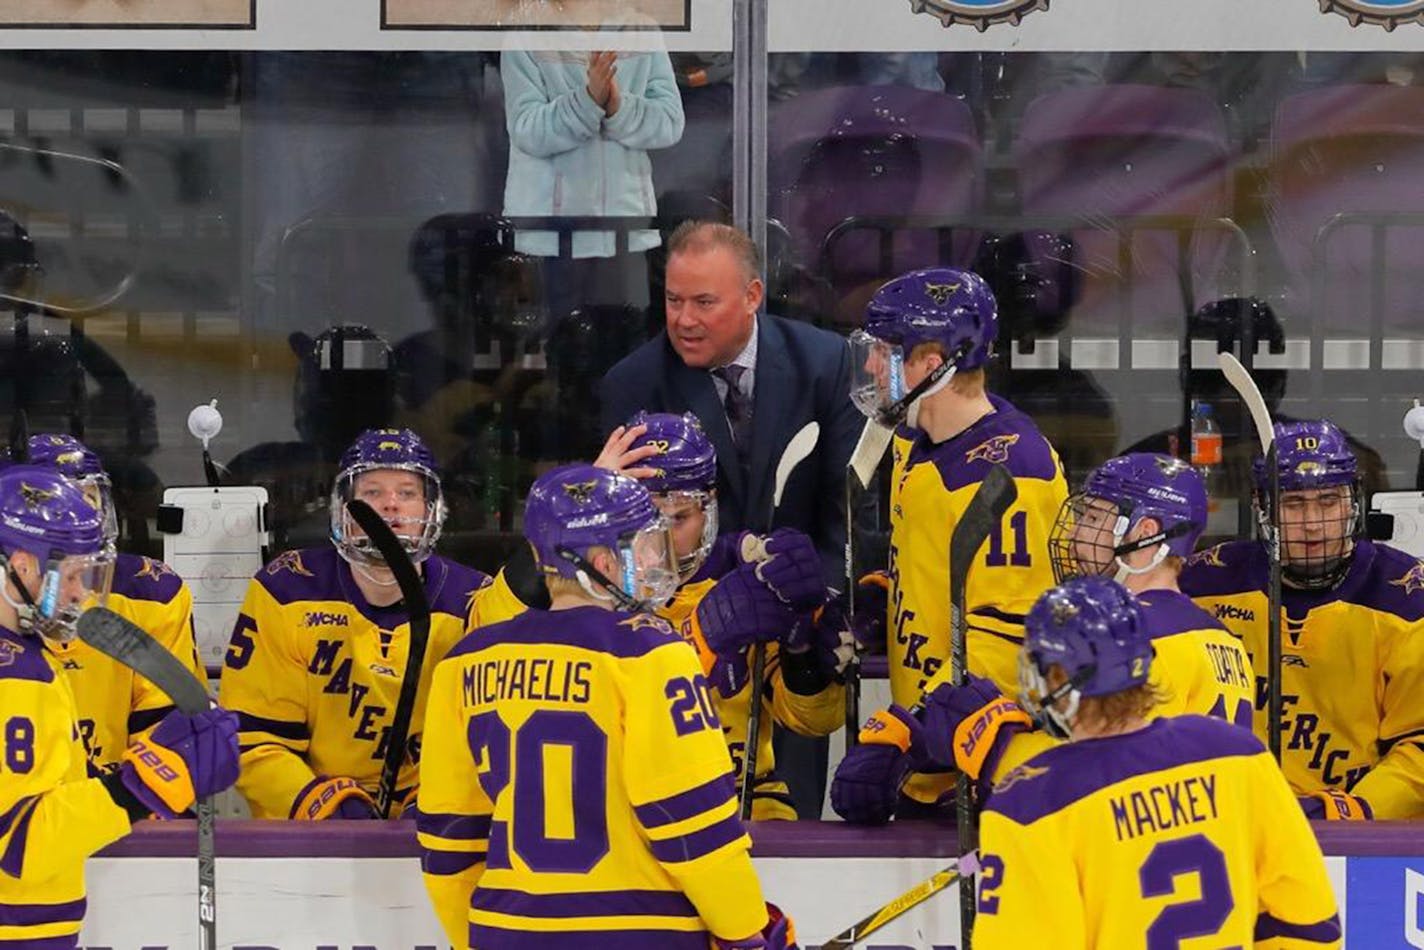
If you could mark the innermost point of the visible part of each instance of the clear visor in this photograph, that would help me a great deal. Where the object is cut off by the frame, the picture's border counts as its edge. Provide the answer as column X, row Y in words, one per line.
column 649, row 564
column 98, row 491
column 877, row 374
column 692, row 521
column 408, row 499
column 1056, row 717
column 71, row 586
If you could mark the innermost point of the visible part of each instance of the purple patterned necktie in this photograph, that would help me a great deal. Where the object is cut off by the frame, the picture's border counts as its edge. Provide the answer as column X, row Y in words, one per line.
column 737, row 403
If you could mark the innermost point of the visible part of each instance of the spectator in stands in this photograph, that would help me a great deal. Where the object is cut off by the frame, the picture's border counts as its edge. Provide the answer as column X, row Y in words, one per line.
column 753, row 380
column 581, row 125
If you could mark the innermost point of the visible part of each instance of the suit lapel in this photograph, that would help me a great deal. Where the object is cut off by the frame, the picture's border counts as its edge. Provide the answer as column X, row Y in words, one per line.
column 772, row 400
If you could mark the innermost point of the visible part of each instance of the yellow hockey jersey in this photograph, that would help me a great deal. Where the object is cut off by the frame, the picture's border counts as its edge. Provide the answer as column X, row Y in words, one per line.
column 1182, row 834
column 931, row 485
column 1352, row 668
column 52, row 814
column 816, row 715
column 576, row 791
column 314, row 673
column 115, row 703
column 1198, row 668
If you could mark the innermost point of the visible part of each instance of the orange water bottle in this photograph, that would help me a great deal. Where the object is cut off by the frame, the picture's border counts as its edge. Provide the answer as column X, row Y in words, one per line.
column 1206, row 450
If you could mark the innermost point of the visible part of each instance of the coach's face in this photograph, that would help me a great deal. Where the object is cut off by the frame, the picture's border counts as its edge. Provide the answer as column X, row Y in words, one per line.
column 711, row 306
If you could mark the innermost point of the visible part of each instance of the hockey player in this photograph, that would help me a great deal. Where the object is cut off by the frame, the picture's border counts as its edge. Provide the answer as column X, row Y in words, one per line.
column 576, row 790
column 116, row 704
column 1165, row 833
column 53, row 814
column 317, row 655
column 738, row 590
column 927, row 337
column 1353, row 659
column 1137, row 520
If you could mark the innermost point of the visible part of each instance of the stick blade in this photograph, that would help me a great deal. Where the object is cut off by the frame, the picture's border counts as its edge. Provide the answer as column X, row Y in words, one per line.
column 869, row 450
column 802, row 444
column 1250, row 394
column 129, row 644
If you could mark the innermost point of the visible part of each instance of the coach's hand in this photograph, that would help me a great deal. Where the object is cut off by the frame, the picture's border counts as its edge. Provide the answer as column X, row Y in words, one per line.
column 183, row 759
column 740, row 610
column 866, row 789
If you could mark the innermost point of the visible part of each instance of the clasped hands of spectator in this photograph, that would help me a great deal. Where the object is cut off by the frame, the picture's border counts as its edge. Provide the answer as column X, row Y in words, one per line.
column 603, row 81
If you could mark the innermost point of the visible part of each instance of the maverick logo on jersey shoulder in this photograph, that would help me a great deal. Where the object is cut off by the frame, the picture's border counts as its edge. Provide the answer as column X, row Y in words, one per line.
column 995, row 451
column 1211, row 557
column 980, row 14
column 8, row 652
column 1385, row 13
column 1023, row 773
column 289, row 561
column 639, row 621
column 320, row 618
column 154, row 570
column 1413, row 579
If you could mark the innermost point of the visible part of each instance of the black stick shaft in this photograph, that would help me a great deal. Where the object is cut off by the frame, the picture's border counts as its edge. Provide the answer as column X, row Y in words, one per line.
column 1275, row 705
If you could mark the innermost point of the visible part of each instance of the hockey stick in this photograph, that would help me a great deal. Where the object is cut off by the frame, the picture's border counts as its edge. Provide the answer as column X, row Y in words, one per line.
column 981, row 518
column 802, row 444
column 1250, row 394
column 864, row 460
column 876, row 919
column 131, row 645
column 418, row 609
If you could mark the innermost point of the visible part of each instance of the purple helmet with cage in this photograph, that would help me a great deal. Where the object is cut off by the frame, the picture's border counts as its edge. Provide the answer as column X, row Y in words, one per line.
column 396, row 451
column 77, row 462
column 1313, row 455
column 46, row 515
column 686, row 476
column 1091, row 534
column 1092, row 629
column 953, row 308
column 575, row 508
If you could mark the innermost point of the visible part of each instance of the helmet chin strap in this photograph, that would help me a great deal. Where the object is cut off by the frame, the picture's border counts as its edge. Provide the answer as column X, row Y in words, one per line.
column 365, row 571
column 906, row 409
column 26, row 612
column 1159, row 538
column 588, row 576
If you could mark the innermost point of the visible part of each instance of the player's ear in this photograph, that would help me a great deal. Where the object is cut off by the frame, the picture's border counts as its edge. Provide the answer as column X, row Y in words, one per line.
column 1145, row 529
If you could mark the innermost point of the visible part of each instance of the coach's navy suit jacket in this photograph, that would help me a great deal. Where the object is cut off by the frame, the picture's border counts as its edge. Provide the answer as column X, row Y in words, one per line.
column 802, row 374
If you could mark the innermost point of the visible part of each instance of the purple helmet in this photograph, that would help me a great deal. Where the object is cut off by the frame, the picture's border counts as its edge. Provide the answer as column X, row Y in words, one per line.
column 1091, row 628
column 1311, row 455
column 954, row 308
column 686, row 476
column 686, row 460
column 577, row 507
column 1090, row 535
column 392, row 451
column 77, row 462
column 47, row 516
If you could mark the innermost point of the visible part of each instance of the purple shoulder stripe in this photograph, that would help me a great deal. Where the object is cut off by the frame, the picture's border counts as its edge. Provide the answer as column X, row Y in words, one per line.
column 1394, row 582
column 1171, row 612
column 1005, row 437
column 497, row 938
column 1268, row 928
column 1064, row 774
column 591, row 628
column 22, row 658
column 688, row 804
column 1233, row 567
column 308, row 574
column 449, row 585
column 144, row 578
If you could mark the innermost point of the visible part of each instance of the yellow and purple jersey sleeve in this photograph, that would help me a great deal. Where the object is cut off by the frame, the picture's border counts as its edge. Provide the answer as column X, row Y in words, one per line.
column 592, row 797
column 1199, row 668
column 314, row 675
column 116, row 704
column 494, row 603
column 1184, row 830
column 931, row 486
column 52, row 815
column 1352, row 670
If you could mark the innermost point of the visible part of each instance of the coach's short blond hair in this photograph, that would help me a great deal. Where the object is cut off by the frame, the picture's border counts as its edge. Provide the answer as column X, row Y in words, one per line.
column 695, row 237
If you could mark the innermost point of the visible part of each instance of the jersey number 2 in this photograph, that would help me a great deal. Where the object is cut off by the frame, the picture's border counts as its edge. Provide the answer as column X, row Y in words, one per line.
column 560, row 820
column 1202, row 917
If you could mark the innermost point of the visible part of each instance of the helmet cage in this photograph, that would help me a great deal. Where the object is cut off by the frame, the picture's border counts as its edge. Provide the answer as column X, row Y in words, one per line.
column 417, row 535
column 1302, row 569
column 1066, row 546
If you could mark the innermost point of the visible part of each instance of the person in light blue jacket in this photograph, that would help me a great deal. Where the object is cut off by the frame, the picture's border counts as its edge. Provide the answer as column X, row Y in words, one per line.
column 580, row 128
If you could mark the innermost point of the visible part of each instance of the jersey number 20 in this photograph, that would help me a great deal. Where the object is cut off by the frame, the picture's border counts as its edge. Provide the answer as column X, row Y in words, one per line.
column 549, row 835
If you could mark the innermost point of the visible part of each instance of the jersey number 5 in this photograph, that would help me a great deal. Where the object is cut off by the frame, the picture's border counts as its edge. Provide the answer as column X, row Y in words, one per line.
column 560, row 806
